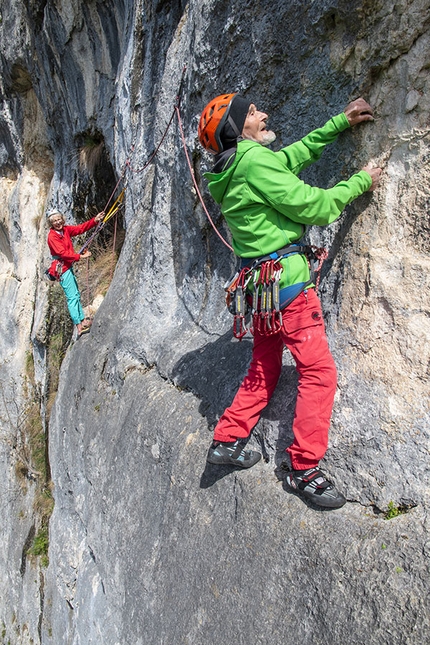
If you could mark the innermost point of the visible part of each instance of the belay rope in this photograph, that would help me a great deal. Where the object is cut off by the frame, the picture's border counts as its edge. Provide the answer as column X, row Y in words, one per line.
column 266, row 315
column 118, row 203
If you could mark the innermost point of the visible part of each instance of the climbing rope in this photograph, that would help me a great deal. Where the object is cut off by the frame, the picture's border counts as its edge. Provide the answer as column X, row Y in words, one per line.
column 154, row 152
column 195, row 182
column 87, row 274
column 321, row 255
column 118, row 203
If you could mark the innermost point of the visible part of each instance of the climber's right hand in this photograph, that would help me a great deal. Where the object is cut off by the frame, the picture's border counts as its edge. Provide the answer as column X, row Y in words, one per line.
column 375, row 175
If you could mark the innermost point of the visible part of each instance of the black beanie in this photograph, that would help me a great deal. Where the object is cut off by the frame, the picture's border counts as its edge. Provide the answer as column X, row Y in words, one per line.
column 237, row 113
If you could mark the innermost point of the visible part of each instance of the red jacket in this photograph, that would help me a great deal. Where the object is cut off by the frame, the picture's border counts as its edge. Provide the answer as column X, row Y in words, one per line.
column 61, row 246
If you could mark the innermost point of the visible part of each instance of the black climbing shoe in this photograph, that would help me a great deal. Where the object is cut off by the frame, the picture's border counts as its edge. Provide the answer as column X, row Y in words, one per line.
column 232, row 453
column 313, row 486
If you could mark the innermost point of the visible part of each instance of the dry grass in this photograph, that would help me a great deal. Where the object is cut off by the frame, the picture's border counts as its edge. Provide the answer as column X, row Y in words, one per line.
column 21, row 79
column 95, row 274
column 90, row 154
column 101, row 271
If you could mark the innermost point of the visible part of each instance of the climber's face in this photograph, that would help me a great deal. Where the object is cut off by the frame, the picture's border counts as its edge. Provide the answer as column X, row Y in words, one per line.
column 255, row 127
column 57, row 222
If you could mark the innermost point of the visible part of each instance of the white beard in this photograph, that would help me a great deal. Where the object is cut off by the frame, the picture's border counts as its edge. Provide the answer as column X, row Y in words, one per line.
column 268, row 138
column 265, row 139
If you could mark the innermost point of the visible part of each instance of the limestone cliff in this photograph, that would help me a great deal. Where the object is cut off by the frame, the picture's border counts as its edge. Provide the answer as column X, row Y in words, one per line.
column 147, row 545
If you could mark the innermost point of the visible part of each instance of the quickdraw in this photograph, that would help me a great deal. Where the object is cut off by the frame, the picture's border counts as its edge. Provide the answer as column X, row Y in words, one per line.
column 236, row 301
column 266, row 314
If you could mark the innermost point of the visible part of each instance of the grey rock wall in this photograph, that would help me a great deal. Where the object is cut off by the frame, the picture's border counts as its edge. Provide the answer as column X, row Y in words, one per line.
column 149, row 545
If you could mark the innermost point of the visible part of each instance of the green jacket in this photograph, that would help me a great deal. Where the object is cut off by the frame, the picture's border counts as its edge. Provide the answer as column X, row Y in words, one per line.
column 267, row 206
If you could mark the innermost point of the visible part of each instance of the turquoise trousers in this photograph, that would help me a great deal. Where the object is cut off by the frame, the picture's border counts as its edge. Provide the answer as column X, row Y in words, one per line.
column 71, row 289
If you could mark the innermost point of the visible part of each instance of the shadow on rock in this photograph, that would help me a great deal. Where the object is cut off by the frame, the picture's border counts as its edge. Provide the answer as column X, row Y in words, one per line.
column 214, row 373
column 213, row 473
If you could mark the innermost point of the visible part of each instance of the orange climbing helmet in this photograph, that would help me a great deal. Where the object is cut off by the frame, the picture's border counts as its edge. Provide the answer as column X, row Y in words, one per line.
column 216, row 115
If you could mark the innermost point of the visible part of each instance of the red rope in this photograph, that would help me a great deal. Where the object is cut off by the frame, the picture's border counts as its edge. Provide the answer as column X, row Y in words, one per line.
column 153, row 154
column 178, row 114
column 88, row 279
column 321, row 254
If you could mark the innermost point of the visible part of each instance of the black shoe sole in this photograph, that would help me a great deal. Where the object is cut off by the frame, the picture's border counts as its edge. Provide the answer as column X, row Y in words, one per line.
column 226, row 461
column 317, row 500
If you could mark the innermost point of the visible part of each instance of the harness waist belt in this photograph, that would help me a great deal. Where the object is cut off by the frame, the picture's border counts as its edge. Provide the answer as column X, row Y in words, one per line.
column 253, row 263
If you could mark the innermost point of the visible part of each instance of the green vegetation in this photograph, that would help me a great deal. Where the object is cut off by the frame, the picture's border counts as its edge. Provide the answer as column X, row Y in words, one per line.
column 40, row 545
column 60, row 329
column 25, row 435
column 395, row 511
column 25, row 408
column 33, row 430
column 38, row 447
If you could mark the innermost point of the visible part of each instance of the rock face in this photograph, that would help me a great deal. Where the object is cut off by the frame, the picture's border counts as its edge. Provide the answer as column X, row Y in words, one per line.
column 148, row 545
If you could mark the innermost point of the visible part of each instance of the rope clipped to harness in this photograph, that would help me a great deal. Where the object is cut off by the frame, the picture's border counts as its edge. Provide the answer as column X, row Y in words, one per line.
column 320, row 254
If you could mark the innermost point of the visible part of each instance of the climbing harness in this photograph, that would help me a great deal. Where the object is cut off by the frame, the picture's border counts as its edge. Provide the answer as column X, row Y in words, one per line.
column 55, row 271
column 260, row 309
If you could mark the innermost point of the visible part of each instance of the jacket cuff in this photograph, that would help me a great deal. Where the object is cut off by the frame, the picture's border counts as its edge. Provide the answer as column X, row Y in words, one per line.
column 366, row 177
column 341, row 122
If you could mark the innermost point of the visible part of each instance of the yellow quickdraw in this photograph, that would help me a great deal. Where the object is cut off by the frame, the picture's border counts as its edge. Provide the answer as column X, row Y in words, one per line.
column 115, row 206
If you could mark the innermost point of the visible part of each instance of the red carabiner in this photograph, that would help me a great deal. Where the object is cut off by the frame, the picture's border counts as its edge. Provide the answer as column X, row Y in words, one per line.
column 239, row 326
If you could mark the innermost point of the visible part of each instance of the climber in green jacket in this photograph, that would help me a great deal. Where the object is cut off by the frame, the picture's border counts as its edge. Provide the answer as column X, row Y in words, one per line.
column 267, row 208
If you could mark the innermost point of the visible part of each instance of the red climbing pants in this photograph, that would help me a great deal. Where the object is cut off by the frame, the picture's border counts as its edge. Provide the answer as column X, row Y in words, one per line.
column 303, row 334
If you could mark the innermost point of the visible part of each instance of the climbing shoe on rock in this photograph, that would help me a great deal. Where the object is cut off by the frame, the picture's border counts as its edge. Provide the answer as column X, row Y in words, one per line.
column 233, row 454
column 313, row 486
